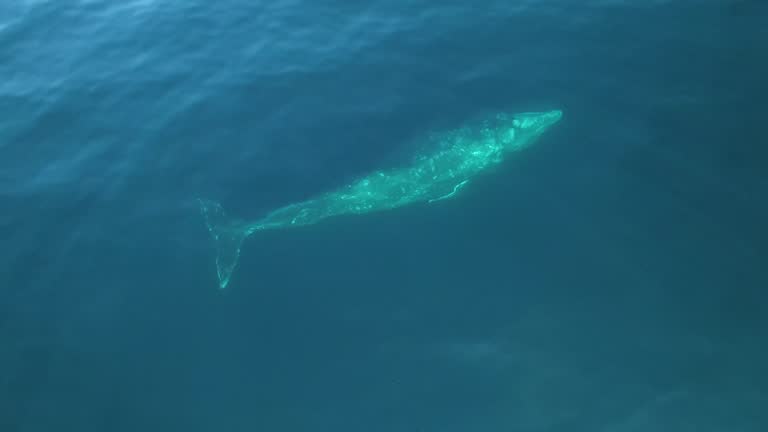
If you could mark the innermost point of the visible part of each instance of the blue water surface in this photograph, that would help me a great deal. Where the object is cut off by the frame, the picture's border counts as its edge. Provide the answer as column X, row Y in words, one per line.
column 611, row 278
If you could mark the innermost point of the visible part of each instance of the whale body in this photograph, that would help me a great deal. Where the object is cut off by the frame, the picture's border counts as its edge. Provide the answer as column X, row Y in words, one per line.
column 457, row 157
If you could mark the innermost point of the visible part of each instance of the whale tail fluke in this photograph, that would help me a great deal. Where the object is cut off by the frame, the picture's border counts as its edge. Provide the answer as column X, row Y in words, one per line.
column 228, row 236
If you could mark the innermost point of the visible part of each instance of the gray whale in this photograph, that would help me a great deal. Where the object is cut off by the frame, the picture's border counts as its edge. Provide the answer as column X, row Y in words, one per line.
column 458, row 156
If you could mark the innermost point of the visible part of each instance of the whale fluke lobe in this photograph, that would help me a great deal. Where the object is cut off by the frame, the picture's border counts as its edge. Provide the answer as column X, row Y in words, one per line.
column 458, row 156
column 227, row 236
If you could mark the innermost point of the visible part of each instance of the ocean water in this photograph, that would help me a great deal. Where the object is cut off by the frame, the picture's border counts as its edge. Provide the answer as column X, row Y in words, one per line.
column 611, row 278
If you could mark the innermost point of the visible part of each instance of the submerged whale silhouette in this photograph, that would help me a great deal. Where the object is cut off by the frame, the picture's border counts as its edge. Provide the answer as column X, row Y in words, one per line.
column 458, row 156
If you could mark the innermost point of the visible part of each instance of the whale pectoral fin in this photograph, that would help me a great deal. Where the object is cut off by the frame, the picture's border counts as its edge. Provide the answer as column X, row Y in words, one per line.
column 455, row 190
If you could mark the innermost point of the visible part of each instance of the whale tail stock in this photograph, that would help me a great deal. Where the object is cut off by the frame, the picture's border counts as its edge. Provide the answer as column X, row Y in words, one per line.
column 228, row 236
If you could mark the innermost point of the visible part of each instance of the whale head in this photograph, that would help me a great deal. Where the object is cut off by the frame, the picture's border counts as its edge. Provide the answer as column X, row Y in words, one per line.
column 520, row 130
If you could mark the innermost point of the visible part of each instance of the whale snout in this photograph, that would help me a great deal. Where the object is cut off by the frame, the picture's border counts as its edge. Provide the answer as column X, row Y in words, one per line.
column 554, row 116
column 528, row 126
column 537, row 121
column 541, row 121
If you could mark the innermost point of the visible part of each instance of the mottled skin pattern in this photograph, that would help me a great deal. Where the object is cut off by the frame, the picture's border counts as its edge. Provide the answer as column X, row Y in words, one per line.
column 461, row 154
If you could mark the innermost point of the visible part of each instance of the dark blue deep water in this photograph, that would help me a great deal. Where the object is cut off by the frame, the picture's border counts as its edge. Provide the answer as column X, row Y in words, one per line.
column 612, row 278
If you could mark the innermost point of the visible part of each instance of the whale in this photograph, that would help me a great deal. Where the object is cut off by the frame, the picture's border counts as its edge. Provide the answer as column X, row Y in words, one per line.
column 454, row 158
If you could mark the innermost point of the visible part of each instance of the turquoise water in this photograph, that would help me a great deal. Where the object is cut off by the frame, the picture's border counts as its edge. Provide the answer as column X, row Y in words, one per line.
column 609, row 278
